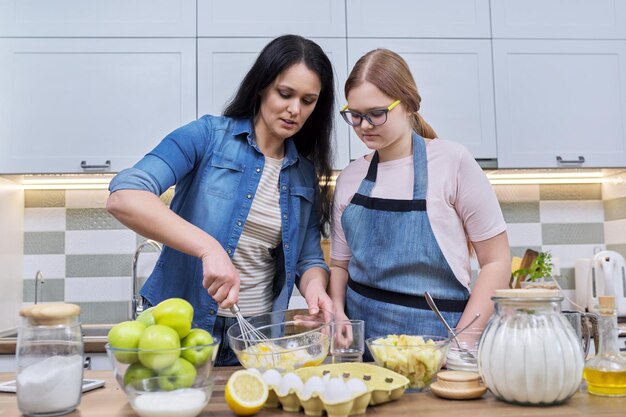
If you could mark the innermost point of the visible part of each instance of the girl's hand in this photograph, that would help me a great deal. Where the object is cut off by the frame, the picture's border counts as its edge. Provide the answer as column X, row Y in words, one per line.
column 220, row 277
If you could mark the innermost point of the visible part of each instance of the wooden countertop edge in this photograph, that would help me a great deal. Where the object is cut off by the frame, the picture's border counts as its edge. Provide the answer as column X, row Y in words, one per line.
column 92, row 345
column 111, row 401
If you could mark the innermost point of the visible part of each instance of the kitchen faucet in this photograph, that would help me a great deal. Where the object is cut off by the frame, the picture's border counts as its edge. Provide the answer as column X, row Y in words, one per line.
column 136, row 305
column 38, row 281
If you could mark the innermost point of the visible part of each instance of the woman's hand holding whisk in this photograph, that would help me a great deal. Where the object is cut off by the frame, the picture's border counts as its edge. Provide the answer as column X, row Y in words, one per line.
column 220, row 277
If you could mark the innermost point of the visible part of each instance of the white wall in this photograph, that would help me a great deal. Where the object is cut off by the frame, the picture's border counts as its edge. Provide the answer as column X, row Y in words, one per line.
column 11, row 253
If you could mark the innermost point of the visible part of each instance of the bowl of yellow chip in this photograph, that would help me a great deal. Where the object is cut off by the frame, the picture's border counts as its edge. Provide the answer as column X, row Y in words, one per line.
column 418, row 358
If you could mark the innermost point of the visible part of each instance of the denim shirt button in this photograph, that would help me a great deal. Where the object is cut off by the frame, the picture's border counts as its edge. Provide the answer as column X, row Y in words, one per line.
column 285, row 216
column 286, row 245
column 284, row 187
column 248, row 196
column 239, row 223
column 258, row 170
column 229, row 251
column 212, row 312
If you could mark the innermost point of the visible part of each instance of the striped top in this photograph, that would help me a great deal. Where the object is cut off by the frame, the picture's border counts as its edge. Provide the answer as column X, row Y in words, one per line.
column 261, row 233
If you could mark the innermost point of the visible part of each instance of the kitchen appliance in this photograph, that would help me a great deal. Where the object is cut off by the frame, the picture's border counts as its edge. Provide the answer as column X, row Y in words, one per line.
column 607, row 277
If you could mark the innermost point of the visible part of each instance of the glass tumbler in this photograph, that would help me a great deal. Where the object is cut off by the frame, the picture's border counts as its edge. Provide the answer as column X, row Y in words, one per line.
column 348, row 342
column 49, row 359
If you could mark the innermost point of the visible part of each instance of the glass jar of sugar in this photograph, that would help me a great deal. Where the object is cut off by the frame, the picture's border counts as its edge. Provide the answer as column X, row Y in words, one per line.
column 529, row 354
column 49, row 359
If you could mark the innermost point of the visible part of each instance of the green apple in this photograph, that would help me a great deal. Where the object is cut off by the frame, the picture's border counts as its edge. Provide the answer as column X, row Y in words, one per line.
column 125, row 335
column 137, row 372
column 197, row 355
column 159, row 347
column 175, row 313
column 146, row 317
column 180, row 374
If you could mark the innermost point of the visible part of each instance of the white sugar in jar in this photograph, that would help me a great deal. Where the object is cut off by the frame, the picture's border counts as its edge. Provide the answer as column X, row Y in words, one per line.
column 49, row 360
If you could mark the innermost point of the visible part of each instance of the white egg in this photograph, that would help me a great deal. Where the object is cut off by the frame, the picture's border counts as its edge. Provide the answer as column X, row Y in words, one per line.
column 272, row 378
column 313, row 386
column 336, row 391
column 290, row 382
column 356, row 386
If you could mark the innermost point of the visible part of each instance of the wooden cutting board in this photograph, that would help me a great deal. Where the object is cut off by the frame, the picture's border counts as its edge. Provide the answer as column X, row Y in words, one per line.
column 529, row 256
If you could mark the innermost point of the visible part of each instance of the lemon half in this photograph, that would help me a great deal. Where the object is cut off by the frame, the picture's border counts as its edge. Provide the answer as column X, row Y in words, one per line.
column 245, row 393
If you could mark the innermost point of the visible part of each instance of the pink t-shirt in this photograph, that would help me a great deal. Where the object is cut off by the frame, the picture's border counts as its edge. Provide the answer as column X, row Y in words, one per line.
column 460, row 200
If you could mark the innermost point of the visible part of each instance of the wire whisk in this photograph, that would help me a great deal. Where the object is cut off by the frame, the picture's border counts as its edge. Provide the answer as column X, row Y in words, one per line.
column 250, row 335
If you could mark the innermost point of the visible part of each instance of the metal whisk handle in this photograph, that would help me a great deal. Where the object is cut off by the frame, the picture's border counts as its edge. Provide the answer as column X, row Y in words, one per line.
column 235, row 309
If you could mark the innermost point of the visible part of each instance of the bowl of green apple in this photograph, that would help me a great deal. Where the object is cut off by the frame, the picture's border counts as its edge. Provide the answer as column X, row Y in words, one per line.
column 163, row 364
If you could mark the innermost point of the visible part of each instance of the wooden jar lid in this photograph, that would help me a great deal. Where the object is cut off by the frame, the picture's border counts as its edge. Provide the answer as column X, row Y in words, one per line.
column 52, row 313
column 458, row 385
column 527, row 293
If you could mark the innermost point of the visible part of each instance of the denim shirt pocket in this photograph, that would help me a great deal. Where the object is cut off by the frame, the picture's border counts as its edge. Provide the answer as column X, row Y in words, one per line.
column 223, row 175
column 302, row 203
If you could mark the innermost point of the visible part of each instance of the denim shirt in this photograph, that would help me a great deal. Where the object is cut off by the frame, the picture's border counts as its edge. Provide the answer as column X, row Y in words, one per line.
column 216, row 166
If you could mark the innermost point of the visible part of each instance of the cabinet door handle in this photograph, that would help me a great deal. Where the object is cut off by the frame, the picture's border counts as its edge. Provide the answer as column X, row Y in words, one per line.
column 106, row 165
column 561, row 161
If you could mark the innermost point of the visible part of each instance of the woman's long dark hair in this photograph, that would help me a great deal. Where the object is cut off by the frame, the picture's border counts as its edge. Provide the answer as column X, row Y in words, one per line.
column 313, row 140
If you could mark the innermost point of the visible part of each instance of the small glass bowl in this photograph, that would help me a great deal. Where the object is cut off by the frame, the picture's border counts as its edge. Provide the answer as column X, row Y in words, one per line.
column 417, row 357
column 148, row 399
column 459, row 357
column 283, row 340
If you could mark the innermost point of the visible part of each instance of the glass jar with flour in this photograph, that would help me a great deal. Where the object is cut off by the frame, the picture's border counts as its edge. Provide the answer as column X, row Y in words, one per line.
column 49, row 359
column 529, row 354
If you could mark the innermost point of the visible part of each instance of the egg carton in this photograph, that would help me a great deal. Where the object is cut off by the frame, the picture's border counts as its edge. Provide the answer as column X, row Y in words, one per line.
column 366, row 384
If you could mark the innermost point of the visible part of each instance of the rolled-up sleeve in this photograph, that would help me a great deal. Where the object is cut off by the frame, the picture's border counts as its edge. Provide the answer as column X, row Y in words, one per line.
column 166, row 164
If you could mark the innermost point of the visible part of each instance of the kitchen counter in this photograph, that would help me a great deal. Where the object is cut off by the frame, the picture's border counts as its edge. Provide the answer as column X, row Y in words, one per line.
column 94, row 339
column 110, row 401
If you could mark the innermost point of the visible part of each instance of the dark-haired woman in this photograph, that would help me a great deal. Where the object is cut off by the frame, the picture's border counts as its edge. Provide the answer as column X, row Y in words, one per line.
column 245, row 221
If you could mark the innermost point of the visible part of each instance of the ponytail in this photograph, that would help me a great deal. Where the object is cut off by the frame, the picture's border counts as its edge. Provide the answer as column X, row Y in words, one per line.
column 421, row 127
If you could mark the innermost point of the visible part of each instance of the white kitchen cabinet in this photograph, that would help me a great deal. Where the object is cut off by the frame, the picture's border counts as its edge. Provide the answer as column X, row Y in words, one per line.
column 87, row 18
column 270, row 18
column 418, row 19
column 222, row 64
column 68, row 103
column 558, row 19
column 560, row 103
column 454, row 79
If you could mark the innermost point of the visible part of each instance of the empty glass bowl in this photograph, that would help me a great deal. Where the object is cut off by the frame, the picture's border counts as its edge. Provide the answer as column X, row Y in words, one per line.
column 283, row 340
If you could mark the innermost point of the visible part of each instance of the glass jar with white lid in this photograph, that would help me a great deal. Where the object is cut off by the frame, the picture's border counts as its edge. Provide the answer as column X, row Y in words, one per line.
column 49, row 359
column 529, row 354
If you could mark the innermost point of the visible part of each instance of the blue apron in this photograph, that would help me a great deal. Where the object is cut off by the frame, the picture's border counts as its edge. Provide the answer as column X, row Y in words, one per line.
column 396, row 258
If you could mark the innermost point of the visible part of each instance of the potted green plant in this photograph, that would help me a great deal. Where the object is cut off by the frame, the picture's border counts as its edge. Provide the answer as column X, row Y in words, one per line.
column 538, row 274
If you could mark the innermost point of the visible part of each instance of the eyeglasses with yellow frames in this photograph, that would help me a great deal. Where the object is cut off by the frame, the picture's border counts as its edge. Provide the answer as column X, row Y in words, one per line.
column 374, row 117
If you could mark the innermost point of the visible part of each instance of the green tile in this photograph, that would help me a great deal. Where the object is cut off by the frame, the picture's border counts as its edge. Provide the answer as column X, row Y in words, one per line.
column 572, row 233
column 571, row 192
column 44, row 198
column 98, row 265
column 527, row 212
column 567, row 280
column 44, row 243
column 615, row 209
column 147, row 248
column 91, row 219
column 621, row 249
column 519, row 251
column 167, row 196
column 52, row 290
column 103, row 312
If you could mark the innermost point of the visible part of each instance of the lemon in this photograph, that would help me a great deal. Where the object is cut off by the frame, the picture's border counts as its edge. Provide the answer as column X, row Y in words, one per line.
column 245, row 393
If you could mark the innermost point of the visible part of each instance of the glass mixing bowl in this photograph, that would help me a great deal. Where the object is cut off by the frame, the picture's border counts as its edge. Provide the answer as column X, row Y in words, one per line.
column 283, row 340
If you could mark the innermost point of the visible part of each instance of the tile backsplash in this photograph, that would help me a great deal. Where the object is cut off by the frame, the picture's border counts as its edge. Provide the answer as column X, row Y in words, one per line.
column 86, row 255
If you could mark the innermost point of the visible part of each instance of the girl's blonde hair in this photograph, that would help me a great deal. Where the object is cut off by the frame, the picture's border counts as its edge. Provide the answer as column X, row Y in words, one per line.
column 390, row 74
